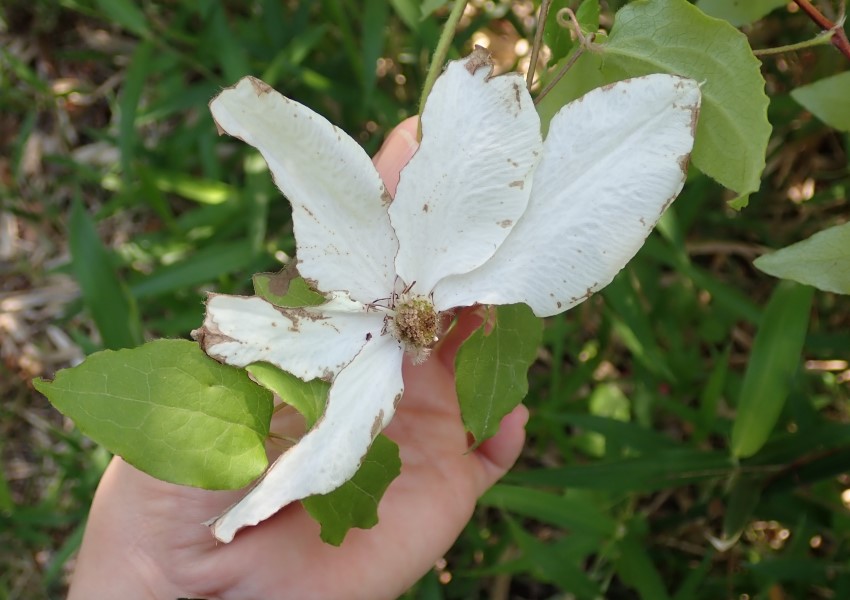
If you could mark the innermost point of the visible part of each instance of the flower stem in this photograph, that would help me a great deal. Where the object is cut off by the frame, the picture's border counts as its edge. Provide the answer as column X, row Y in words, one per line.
column 538, row 40
column 838, row 37
column 584, row 43
column 439, row 57
column 820, row 39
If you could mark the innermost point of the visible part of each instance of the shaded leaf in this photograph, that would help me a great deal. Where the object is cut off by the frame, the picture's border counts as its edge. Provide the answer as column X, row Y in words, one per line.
column 355, row 503
column 170, row 411
column 572, row 513
column 560, row 39
column 429, row 6
column 822, row 261
column 827, row 100
column 772, row 366
column 637, row 570
column 491, row 368
column 656, row 471
column 739, row 12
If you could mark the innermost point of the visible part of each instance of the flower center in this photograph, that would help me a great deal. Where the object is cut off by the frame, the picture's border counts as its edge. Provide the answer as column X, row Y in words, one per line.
column 415, row 325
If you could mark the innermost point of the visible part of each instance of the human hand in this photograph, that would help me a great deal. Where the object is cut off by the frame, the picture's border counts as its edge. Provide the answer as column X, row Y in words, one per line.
column 144, row 537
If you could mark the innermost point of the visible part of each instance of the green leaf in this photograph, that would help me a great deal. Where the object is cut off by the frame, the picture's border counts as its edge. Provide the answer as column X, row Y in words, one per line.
column 576, row 514
column 355, row 503
column 743, row 499
column 127, row 14
column 201, row 267
column 170, row 411
column 286, row 288
column 673, row 36
column 429, row 6
column 134, row 84
column 560, row 39
column 739, row 12
column 655, row 471
column 307, row 397
column 113, row 309
column 827, row 100
column 636, row 569
column 491, row 368
column 771, row 368
column 822, row 261
column 375, row 15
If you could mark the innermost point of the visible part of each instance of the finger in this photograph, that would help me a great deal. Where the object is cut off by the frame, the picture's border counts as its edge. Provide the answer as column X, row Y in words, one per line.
column 398, row 148
column 498, row 454
column 468, row 320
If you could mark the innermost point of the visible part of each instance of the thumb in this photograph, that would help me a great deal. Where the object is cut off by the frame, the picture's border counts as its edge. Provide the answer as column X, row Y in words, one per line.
column 498, row 454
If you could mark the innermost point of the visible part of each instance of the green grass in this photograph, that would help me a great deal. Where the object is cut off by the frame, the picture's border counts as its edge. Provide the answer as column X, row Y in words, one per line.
column 627, row 475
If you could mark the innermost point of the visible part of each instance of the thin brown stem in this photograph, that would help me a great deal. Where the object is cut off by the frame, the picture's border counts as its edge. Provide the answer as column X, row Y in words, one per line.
column 839, row 37
column 579, row 51
column 584, row 44
column 538, row 40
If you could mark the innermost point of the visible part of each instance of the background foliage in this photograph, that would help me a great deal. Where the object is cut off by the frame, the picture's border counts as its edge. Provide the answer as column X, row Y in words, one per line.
column 121, row 207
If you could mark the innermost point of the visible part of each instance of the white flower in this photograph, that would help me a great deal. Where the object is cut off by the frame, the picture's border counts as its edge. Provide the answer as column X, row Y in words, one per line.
column 485, row 212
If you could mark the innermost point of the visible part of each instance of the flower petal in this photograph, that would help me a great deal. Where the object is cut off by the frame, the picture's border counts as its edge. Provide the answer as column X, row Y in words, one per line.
column 612, row 163
column 469, row 182
column 360, row 404
column 309, row 342
column 339, row 203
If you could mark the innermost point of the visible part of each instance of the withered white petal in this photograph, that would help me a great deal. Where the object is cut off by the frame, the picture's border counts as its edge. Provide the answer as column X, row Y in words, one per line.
column 361, row 403
column 612, row 162
column 310, row 342
column 339, row 203
column 469, row 182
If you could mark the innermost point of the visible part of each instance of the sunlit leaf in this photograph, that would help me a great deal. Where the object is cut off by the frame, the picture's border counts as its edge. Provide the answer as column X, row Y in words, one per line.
column 170, row 411
column 285, row 288
column 674, row 36
column 112, row 307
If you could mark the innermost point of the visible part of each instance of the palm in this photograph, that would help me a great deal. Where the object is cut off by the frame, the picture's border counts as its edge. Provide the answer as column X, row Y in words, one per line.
column 421, row 514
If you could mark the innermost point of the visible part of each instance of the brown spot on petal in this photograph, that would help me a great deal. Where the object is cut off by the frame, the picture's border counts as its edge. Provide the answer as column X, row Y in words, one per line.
column 260, row 87
column 480, row 57
column 386, row 198
column 425, row 207
column 506, row 223
column 376, row 426
column 519, row 183
column 396, row 400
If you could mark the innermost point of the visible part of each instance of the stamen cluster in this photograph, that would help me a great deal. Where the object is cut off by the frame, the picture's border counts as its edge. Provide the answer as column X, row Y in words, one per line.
column 415, row 325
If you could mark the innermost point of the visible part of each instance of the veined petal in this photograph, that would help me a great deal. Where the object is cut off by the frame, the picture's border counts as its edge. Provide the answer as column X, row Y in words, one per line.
column 310, row 342
column 612, row 163
column 339, row 203
column 469, row 182
column 360, row 404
